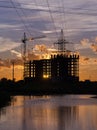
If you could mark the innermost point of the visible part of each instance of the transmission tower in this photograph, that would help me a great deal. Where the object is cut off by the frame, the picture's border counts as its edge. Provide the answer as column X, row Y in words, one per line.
column 61, row 42
column 24, row 51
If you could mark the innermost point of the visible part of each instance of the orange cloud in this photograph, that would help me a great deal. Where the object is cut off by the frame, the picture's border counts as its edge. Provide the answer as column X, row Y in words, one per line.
column 86, row 60
column 84, row 42
column 41, row 48
column 94, row 47
column 32, row 56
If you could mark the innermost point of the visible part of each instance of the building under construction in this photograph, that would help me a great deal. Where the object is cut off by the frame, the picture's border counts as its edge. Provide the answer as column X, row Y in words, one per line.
column 60, row 67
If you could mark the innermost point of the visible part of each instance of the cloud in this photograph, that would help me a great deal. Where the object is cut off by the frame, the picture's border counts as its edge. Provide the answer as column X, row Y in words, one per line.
column 1, row 62
column 94, row 47
column 32, row 56
column 8, row 26
column 18, row 54
column 83, row 60
column 8, row 62
column 48, row 32
column 84, row 42
column 7, row 44
column 86, row 59
column 58, row 10
column 74, row 17
column 17, row 62
column 41, row 48
column 41, row 51
column 87, row 44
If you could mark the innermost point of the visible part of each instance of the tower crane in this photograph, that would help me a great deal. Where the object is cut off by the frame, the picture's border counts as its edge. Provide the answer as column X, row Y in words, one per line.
column 25, row 39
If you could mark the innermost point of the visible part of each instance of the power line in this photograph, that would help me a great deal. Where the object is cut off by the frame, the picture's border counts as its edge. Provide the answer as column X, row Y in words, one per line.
column 25, row 27
column 94, row 12
column 52, row 18
column 64, row 18
column 68, row 12
column 22, row 10
column 44, row 5
column 79, row 11
column 43, row 20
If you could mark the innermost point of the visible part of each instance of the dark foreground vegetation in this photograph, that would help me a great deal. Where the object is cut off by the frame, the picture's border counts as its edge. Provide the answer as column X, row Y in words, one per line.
column 9, row 88
column 5, row 99
column 43, row 87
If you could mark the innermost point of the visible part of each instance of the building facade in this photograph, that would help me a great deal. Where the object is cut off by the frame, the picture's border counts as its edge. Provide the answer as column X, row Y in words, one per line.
column 60, row 67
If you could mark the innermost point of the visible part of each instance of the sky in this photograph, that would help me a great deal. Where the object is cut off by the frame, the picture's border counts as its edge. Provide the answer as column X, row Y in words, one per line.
column 77, row 18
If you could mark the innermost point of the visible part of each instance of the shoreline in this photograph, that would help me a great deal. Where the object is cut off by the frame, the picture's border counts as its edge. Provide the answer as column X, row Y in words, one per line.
column 46, row 87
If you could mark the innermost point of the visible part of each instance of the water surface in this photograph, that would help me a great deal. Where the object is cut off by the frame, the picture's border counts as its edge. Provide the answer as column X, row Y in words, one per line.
column 67, row 112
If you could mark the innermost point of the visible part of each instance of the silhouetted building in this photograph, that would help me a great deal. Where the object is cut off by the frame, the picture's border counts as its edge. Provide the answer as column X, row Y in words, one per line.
column 60, row 67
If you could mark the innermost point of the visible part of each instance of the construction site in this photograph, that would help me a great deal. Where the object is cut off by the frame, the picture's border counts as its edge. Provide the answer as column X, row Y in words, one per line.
column 62, row 66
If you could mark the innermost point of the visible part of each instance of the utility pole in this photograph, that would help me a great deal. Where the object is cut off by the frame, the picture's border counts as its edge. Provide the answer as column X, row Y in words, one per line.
column 13, row 71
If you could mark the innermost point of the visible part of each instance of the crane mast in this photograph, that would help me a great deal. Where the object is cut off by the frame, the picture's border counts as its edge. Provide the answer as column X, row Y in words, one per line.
column 25, row 39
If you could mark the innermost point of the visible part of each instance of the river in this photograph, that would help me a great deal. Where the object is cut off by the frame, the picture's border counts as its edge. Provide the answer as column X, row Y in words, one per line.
column 66, row 112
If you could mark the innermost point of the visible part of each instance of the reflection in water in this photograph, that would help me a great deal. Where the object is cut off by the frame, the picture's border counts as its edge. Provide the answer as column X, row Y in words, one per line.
column 49, row 113
column 47, row 117
column 90, row 117
column 65, row 117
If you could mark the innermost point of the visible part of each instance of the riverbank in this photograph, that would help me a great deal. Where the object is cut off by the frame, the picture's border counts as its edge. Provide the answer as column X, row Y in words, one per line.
column 47, row 87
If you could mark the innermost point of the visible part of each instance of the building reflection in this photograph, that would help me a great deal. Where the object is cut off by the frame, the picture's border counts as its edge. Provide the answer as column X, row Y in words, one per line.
column 47, row 117
column 67, row 117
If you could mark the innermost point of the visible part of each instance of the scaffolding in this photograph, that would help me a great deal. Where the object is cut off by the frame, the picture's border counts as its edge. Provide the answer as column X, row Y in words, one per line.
column 58, row 67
